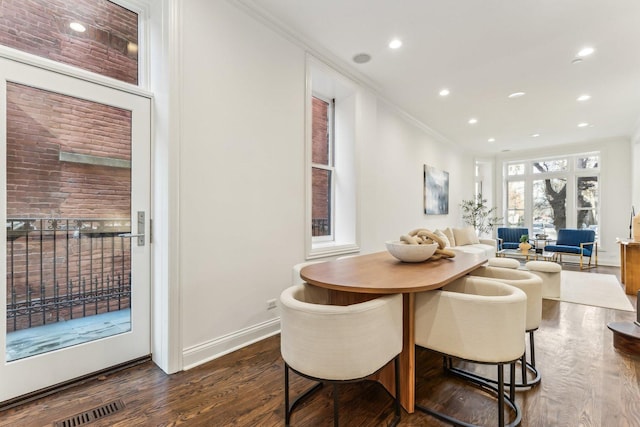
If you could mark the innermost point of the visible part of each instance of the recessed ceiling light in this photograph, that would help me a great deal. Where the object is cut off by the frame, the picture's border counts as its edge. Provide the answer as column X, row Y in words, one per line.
column 473, row 121
column 516, row 94
column 535, row 135
column 76, row 26
column 491, row 140
column 361, row 58
column 586, row 51
column 444, row 92
column 395, row 43
column 583, row 125
column 584, row 97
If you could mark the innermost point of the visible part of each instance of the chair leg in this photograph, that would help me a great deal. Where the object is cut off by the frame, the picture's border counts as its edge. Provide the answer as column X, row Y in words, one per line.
column 336, row 422
column 287, row 413
column 289, row 407
column 494, row 390
column 396, row 364
column 446, row 362
column 525, row 367
column 532, row 348
column 501, row 395
column 512, row 381
column 398, row 409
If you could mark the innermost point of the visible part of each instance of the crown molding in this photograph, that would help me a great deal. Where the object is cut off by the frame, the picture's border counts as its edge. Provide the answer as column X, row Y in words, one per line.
column 253, row 9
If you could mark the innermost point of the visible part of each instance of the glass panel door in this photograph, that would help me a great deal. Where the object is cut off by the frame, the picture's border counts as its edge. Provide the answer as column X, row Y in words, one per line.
column 75, row 159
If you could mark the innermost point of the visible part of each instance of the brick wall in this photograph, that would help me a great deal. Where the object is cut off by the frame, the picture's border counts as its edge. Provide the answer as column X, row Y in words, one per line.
column 40, row 124
column 320, row 154
column 41, row 27
column 41, row 186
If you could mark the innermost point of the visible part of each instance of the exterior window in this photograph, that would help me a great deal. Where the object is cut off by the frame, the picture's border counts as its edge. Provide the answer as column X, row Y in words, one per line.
column 549, row 206
column 322, row 168
column 515, row 169
column 588, row 162
column 331, row 209
column 556, row 193
column 103, row 38
column 515, row 203
column 587, row 203
column 550, row 166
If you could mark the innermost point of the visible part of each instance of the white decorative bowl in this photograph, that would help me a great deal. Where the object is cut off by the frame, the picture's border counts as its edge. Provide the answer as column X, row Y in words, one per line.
column 410, row 253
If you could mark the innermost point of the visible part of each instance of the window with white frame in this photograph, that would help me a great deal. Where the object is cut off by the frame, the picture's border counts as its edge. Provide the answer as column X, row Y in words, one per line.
column 322, row 168
column 101, row 36
column 331, row 188
column 548, row 194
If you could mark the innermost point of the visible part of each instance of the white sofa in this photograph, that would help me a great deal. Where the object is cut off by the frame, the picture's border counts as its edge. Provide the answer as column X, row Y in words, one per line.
column 466, row 240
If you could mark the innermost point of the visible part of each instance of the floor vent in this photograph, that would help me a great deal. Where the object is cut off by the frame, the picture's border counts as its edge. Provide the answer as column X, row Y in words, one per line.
column 91, row 415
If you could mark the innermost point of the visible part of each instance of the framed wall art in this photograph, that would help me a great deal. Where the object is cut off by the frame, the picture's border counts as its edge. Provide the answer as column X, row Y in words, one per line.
column 436, row 191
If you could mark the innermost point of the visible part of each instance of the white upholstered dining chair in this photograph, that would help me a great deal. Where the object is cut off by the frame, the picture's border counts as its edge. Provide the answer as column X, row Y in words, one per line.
column 477, row 320
column 295, row 273
column 337, row 344
column 531, row 285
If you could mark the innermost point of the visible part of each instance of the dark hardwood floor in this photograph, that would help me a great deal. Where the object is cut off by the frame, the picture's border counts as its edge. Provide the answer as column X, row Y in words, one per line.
column 585, row 382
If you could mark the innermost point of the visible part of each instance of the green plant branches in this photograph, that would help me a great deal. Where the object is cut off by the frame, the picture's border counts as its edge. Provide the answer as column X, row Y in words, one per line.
column 479, row 215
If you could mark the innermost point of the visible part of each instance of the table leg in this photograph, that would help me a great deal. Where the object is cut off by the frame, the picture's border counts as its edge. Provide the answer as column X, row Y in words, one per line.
column 386, row 375
column 632, row 269
column 408, row 355
column 622, row 264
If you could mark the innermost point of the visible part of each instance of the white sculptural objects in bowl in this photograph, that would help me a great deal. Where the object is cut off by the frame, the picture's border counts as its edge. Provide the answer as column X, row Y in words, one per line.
column 411, row 253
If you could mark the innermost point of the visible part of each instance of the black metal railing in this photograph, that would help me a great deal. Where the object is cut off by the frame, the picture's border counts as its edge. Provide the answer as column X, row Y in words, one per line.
column 320, row 227
column 61, row 268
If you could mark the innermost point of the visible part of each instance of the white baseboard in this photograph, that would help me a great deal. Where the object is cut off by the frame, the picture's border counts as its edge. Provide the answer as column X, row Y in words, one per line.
column 210, row 350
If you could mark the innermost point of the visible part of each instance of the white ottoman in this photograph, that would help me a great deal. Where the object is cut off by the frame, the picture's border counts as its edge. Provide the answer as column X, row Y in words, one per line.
column 504, row 262
column 549, row 272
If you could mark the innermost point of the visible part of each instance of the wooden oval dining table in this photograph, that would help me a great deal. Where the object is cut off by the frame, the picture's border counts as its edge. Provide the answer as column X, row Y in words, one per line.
column 364, row 277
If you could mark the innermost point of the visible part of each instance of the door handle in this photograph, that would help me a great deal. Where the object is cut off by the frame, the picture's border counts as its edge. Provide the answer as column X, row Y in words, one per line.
column 140, row 235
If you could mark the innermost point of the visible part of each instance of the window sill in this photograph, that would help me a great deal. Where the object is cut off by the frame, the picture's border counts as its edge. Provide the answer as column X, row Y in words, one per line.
column 326, row 249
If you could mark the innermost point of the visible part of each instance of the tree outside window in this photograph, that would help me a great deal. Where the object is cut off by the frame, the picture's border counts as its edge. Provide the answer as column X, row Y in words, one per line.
column 515, row 203
column 545, row 193
column 586, row 206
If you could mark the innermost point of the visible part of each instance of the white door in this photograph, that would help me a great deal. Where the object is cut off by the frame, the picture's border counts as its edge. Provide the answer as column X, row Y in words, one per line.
column 75, row 180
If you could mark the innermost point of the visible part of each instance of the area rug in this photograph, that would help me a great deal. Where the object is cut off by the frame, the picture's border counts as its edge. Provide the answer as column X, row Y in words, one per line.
column 600, row 290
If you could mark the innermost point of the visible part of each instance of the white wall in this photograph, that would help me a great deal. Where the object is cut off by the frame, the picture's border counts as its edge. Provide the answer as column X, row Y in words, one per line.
column 241, row 179
column 392, row 166
column 241, row 186
column 615, row 188
column 635, row 171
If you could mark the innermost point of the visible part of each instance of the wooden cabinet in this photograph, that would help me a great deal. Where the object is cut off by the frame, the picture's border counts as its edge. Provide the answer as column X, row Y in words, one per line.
column 630, row 265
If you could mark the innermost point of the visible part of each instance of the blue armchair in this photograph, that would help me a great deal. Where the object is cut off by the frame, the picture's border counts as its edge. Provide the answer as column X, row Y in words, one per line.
column 573, row 241
column 509, row 237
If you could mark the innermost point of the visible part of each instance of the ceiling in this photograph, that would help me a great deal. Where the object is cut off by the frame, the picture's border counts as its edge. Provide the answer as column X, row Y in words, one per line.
column 482, row 51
